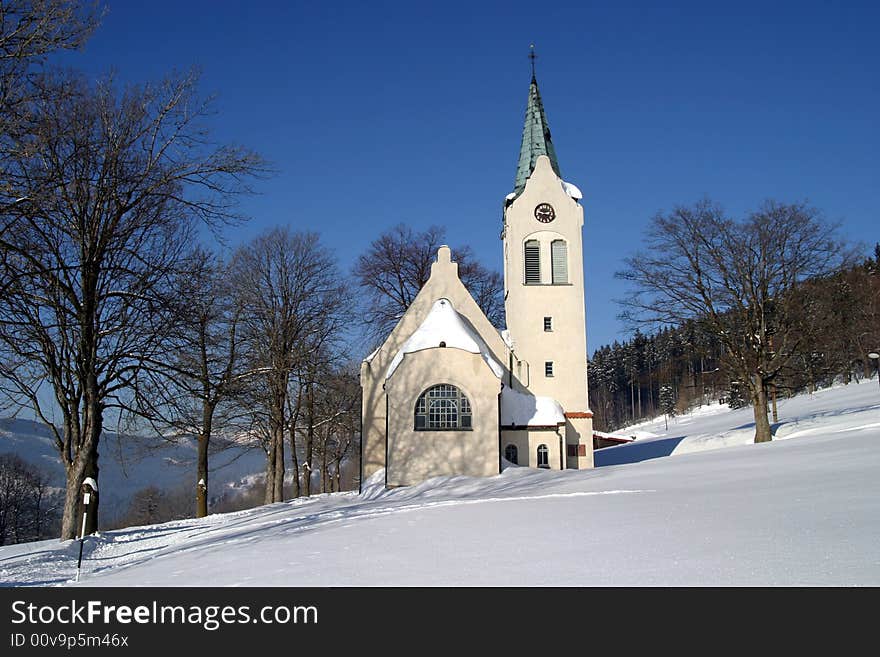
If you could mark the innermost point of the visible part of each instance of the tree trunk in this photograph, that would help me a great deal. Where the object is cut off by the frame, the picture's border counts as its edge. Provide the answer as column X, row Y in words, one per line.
column 775, row 411
column 38, row 521
column 71, row 517
column 307, row 466
column 83, row 439
column 310, row 440
column 202, row 478
column 275, row 451
column 325, row 476
column 85, row 465
column 759, row 407
column 91, row 470
column 279, row 466
column 632, row 402
column 295, row 461
column 268, row 498
column 202, row 468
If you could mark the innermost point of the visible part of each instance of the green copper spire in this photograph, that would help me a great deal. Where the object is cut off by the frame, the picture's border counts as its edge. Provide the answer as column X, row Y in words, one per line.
column 535, row 138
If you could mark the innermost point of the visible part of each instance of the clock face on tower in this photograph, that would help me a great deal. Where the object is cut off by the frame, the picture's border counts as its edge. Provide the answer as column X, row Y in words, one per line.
column 545, row 213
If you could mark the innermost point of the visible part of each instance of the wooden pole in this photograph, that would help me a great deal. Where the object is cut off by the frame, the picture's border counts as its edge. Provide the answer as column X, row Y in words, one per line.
column 82, row 535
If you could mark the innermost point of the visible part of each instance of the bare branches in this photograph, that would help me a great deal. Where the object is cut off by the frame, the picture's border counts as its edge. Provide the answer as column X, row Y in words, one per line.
column 114, row 184
column 31, row 29
column 741, row 281
column 295, row 306
column 28, row 505
column 398, row 264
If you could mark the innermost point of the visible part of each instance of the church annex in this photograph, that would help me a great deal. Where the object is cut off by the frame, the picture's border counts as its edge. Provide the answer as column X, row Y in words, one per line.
column 449, row 394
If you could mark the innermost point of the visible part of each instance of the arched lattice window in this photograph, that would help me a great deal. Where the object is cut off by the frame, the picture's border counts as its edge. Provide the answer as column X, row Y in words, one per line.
column 543, row 456
column 559, row 261
column 511, row 454
column 443, row 407
column 533, row 261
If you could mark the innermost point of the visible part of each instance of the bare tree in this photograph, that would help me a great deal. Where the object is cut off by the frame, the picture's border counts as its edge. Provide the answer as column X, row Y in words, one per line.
column 742, row 281
column 32, row 29
column 190, row 389
column 342, row 401
column 398, row 263
column 290, row 289
column 29, row 31
column 319, row 404
column 28, row 505
column 114, row 183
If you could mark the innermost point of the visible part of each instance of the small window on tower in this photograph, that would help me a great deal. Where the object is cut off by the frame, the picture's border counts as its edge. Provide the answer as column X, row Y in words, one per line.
column 548, row 323
column 548, row 368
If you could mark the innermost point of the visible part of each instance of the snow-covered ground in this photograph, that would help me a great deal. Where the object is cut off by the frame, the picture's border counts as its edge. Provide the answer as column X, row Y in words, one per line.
column 669, row 509
column 841, row 408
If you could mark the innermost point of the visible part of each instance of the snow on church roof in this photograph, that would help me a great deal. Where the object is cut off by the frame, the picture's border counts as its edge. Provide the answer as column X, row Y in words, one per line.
column 372, row 355
column 572, row 190
column 444, row 324
column 508, row 339
column 520, row 410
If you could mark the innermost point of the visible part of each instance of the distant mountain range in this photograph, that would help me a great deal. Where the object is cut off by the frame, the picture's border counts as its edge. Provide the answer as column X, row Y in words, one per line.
column 129, row 464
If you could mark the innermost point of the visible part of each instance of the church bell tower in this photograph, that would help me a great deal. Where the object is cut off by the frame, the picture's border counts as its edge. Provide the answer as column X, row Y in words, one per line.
column 544, row 281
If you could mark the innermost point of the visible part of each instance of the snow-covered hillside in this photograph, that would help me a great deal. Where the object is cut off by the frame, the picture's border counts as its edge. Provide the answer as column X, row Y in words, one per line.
column 840, row 409
column 128, row 465
column 668, row 509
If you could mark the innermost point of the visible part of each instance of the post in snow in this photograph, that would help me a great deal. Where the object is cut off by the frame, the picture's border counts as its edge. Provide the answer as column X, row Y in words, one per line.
column 89, row 489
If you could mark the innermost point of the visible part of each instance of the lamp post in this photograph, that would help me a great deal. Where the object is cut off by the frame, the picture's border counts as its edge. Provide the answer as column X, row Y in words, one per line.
column 876, row 358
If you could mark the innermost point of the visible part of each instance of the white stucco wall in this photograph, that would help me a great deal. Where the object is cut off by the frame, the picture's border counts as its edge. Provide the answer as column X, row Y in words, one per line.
column 415, row 455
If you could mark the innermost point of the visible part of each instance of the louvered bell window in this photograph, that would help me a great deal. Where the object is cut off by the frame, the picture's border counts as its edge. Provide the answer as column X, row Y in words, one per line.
column 559, row 258
column 533, row 262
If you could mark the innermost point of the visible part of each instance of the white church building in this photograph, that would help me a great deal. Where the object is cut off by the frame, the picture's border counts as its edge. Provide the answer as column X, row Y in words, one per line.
column 447, row 393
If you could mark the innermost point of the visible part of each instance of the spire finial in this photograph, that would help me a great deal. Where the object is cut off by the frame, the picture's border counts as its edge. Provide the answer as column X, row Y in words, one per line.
column 536, row 135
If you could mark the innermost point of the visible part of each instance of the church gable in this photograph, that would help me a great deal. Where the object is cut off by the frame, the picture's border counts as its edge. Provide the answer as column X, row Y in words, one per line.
column 477, row 349
column 442, row 419
column 444, row 327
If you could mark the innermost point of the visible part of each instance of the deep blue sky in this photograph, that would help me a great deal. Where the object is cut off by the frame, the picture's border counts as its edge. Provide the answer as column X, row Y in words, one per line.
column 379, row 113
